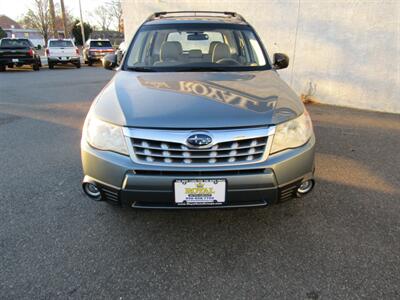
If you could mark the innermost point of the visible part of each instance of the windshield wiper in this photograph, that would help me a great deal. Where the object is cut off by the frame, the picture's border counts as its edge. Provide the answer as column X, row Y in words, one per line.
column 178, row 69
column 141, row 69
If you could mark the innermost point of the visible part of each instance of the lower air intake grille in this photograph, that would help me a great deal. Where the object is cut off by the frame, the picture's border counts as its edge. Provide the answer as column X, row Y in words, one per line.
column 289, row 191
column 110, row 194
column 200, row 173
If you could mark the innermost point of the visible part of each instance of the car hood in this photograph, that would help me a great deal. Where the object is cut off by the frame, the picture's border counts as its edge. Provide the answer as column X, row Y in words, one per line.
column 197, row 100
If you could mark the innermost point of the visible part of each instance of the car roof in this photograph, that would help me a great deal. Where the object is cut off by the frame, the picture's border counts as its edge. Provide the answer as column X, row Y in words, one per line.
column 195, row 17
column 14, row 39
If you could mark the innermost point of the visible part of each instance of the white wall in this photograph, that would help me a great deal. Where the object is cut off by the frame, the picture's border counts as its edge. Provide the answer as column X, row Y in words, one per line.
column 349, row 51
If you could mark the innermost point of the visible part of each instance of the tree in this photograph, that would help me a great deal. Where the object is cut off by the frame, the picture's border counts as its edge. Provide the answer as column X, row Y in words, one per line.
column 52, row 19
column 69, row 19
column 77, row 34
column 102, row 17
column 38, row 17
column 64, row 18
column 3, row 34
column 115, row 11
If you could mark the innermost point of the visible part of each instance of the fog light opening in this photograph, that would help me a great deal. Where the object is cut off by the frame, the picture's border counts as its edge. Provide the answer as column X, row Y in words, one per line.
column 305, row 187
column 92, row 191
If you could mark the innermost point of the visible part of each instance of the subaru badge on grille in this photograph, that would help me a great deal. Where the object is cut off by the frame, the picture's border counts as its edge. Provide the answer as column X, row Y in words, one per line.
column 199, row 139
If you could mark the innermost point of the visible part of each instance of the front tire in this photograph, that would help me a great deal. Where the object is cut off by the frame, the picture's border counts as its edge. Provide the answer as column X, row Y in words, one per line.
column 78, row 65
column 35, row 67
column 51, row 66
column 90, row 63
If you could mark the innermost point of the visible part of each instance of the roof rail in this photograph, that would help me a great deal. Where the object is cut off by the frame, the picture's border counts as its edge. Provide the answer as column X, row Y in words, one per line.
column 164, row 14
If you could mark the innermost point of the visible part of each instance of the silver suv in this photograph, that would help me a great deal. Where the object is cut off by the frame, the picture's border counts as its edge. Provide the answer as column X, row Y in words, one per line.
column 197, row 117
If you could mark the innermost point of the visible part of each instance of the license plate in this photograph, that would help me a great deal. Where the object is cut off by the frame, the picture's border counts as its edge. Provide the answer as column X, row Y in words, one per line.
column 200, row 191
column 15, row 60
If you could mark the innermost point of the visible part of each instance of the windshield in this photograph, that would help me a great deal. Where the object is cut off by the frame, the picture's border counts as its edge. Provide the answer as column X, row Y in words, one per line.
column 185, row 47
column 16, row 43
column 61, row 43
column 100, row 44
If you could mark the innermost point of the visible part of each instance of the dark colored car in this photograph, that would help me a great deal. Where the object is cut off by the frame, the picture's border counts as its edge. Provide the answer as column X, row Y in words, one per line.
column 95, row 50
column 18, row 52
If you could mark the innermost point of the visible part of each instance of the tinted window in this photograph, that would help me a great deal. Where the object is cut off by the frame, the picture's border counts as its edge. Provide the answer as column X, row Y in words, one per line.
column 100, row 44
column 16, row 43
column 61, row 43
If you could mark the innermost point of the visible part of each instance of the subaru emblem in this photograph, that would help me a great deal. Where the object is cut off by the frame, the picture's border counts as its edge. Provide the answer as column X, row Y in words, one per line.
column 199, row 140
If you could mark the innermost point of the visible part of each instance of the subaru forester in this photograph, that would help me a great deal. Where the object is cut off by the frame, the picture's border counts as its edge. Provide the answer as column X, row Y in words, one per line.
column 197, row 116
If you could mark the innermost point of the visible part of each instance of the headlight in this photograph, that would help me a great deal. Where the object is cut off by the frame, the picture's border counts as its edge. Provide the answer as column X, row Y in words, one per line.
column 293, row 133
column 105, row 136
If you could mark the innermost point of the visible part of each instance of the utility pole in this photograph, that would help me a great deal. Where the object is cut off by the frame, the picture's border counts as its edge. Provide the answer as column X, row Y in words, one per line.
column 52, row 19
column 64, row 20
column 82, row 28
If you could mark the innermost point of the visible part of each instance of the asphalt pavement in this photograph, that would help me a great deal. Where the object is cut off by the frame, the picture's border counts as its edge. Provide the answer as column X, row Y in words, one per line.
column 340, row 242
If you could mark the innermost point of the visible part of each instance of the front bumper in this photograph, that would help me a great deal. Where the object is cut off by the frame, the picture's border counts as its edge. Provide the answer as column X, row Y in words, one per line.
column 144, row 186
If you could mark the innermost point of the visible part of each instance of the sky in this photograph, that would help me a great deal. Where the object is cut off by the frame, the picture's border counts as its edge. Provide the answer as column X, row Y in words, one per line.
column 16, row 8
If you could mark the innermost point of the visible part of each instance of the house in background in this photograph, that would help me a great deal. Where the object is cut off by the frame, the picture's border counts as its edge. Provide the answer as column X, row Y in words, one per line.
column 15, row 30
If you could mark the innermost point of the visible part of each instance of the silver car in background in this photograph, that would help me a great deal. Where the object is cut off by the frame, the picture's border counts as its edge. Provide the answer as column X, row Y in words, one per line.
column 197, row 117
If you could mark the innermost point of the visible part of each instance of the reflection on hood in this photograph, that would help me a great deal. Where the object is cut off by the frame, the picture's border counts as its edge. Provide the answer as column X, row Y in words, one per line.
column 215, row 92
column 197, row 100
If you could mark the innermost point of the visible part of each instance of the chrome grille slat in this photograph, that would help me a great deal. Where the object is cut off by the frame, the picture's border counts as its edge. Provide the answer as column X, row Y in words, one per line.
column 198, row 156
column 170, row 147
column 195, row 150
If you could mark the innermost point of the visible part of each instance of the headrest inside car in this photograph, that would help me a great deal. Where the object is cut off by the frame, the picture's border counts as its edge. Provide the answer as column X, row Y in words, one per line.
column 195, row 53
column 171, row 51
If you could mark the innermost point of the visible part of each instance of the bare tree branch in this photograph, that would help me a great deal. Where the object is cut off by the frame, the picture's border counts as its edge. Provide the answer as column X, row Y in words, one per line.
column 102, row 17
column 115, row 10
column 38, row 18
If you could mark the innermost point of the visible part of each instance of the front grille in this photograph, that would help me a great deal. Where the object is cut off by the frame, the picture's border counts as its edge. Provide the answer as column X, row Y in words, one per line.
column 227, row 152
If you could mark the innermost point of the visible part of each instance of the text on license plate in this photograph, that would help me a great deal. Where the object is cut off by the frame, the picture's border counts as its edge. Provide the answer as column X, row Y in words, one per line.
column 200, row 191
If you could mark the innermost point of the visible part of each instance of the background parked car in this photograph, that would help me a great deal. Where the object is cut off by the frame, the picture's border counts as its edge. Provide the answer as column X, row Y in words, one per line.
column 121, row 51
column 95, row 50
column 62, row 51
column 18, row 52
column 117, row 56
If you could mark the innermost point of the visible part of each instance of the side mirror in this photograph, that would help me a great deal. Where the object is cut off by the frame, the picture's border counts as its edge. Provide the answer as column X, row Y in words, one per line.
column 110, row 61
column 281, row 61
column 120, row 56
